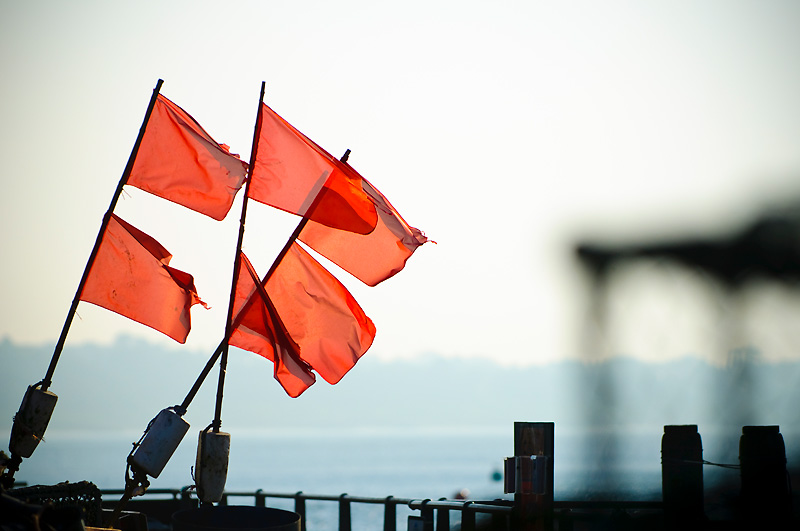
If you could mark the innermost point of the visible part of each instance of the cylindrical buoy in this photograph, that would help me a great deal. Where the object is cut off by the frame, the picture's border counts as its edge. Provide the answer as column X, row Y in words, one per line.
column 31, row 421
column 160, row 442
column 211, row 467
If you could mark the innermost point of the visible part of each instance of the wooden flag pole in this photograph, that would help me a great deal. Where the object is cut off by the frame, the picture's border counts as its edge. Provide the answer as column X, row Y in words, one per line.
column 223, row 364
column 295, row 234
column 297, row 231
column 181, row 410
column 123, row 180
column 221, row 351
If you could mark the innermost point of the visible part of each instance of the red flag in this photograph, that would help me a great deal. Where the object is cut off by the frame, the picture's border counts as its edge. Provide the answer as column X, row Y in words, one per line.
column 318, row 314
column 373, row 257
column 296, row 175
column 332, row 330
column 177, row 160
column 258, row 328
column 130, row 275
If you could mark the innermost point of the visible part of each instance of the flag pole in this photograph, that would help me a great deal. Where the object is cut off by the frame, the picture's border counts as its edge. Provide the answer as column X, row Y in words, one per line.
column 223, row 364
column 297, row 231
column 222, row 350
column 181, row 409
column 218, row 351
column 295, row 234
column 123, row 180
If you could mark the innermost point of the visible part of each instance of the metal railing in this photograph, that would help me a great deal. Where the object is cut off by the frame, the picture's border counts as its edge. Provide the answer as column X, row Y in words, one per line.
column 499, row 512
column 344, row 502
column 432, row 514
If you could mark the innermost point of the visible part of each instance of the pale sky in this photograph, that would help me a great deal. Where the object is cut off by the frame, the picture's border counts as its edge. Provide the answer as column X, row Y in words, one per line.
column 504, row 130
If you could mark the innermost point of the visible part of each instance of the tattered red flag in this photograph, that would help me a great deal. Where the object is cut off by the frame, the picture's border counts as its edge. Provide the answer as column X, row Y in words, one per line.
column 320, row 317
column 258, row 328
column 296, row 175
column 130, row 276
column 177, row 160
column 373, row 257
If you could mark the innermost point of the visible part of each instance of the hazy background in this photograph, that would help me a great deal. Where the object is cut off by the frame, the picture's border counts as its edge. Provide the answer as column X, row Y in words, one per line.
column 507, row 131
column 427, row 427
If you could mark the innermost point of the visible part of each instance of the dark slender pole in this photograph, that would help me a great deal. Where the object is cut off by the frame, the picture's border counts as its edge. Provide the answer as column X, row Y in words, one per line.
column 181, row 410
column 223, row 364
column 286, row 247
column 296, row 233
column 222, row 349
column 124, row 179
column 288, row 244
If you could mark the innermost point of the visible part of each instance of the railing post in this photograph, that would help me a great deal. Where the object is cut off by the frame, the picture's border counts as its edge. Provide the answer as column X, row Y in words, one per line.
column 344, row 513
column 389, row 514
column 467, row 518
column 300, row 508
column 427, row 516
column 261, row 498
column 442, row 518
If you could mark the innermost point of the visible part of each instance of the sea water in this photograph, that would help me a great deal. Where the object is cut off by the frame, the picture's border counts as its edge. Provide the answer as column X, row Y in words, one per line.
column 404, row 463
column 400, row 462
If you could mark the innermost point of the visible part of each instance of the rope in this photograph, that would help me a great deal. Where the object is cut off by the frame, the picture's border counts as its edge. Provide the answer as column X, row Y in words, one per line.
column 702, row 462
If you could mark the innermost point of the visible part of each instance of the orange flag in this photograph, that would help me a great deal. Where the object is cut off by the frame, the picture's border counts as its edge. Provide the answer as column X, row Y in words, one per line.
column 177, row 160
column 296, row 175
column 319, row 316
column 258, row 328
column 373, row 257
column 130, row 276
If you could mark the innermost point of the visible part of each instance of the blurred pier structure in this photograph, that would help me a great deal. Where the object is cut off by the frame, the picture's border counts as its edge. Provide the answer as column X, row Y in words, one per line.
column 730, row 298
column 768, row 247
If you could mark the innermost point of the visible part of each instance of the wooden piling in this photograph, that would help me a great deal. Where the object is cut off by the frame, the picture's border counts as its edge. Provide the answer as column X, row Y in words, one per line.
column 533, row 499
column 766, row 498
column 682, row 476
